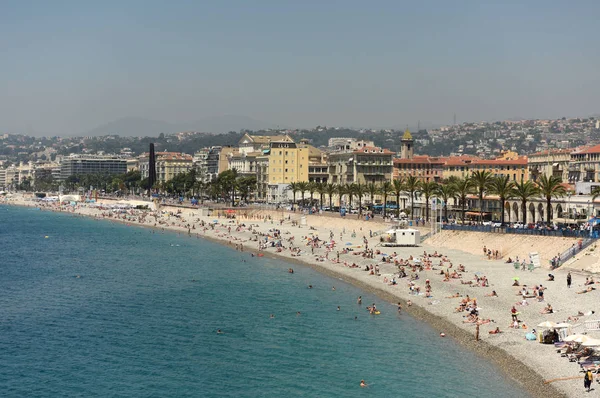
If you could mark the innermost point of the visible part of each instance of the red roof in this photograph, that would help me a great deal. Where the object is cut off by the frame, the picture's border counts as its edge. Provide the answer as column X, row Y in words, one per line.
column 593, row 149
column 420, row 159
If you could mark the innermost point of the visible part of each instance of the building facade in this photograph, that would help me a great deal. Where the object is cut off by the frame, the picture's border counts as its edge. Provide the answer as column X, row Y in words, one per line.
column 367, row 165
column 554, row 162
column 90, row 164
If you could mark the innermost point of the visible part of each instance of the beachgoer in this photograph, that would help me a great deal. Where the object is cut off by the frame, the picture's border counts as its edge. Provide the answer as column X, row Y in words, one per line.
column 363, row 384
column 338, row 308
column 569, row 280
column 359, row 301
column 219, row 331
column 587, row 380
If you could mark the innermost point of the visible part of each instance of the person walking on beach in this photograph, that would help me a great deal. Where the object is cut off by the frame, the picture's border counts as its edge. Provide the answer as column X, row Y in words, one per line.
column 569, row 280
column 587, row 380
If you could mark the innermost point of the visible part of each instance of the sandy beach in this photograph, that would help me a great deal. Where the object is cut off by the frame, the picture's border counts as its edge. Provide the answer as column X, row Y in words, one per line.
column 526, row 362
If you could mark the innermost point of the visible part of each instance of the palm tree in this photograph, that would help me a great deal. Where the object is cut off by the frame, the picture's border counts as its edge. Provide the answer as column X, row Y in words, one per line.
column 294, row 188
column 525, row 190
column 341, row 191
column 349, row 189
column 428, row 189
column 311, row 187
column 398, row 188
column 320, row 188
column 373, row 190
column 595, row 193
column 445, row 192
column 550, row 187
column 385, row 189
column 412, row 186
column 330, row 190
column 481, row 180
column 303, row 187
column 504, row 188
column 359, row 190
column 463, row 187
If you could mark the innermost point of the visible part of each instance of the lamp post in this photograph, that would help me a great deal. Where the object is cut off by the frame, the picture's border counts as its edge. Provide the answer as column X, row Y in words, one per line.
column 569, row 204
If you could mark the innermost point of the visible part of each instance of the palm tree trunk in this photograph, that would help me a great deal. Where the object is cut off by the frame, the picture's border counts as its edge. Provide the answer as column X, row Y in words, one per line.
column 502, row 203
column 463, row 211
column 384, row 203
column 481, row 208
column 412, row 205
column 398, row 205
column 524, row 208
column 548, row 210
column 331, row 202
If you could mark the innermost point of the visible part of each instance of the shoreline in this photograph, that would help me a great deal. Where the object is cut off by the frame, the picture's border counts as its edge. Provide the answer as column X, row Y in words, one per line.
column 511, row 365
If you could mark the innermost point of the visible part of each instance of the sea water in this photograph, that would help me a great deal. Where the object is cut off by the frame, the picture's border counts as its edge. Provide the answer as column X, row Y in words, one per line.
column 94, row 308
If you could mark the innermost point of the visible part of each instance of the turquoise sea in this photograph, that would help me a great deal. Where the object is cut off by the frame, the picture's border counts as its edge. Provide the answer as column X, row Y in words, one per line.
column 141, row 321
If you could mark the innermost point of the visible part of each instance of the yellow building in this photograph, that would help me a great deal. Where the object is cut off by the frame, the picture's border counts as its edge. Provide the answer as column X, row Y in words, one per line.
column 288, row 162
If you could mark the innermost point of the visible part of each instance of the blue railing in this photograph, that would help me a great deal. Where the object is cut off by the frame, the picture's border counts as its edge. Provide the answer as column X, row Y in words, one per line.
column 568, row 233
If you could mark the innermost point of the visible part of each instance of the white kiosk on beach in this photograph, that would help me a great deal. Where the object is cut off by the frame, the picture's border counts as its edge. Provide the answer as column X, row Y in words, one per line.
column 401, row 237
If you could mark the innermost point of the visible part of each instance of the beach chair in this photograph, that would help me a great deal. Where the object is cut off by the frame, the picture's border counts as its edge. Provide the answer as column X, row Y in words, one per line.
column 517, row 265
column 530, row 267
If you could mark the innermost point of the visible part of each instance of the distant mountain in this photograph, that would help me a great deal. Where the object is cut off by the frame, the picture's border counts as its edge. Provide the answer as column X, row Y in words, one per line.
column 226, row 123
column 140, row 127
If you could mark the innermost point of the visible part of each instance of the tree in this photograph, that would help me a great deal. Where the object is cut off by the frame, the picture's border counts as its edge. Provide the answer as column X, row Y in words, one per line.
column 386, row 189
column 246, row 186
column 398, row 188
column 330, row 189
column 550, row 187
column 373, row 190
column 311, row 187
column 359, row 190
column 595, row 193
column 350, row 193
column 412, row 186
column 320, row 188
column 226, row 180
column 294, row 188
column 482, row 180
column 428, row 189
column 341, row 191
column 463, row 187
column 303, row 187
column 525, row 190
column 504, row 188
column 445, row 192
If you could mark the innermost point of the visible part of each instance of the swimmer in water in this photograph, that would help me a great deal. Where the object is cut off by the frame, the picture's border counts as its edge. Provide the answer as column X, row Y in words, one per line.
column 363, row 384
column 219, row 331
column 298, row 313
column 310, row 286
column 359, row 301
column 272, row 316
column 333, row 288
column 338, row 308
column 356, row 318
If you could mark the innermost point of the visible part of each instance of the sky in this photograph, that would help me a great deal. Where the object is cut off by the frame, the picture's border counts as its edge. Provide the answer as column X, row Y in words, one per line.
column 69, row 66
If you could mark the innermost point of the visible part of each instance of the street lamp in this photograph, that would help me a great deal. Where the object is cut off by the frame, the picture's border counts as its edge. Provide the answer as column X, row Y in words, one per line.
column 569, row 204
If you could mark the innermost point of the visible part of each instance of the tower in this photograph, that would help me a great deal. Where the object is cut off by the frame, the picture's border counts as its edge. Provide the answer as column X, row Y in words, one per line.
column 151, row 168
column 407, row 149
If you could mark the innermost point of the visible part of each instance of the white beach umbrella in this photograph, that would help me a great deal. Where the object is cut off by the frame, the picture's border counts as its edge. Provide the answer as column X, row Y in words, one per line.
column 563, row 325
column 577, row 338
column 547, row 324
column 591, row 342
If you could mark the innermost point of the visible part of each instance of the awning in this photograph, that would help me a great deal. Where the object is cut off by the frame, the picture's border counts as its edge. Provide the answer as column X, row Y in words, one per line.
column 476, row 213
column 554, row 164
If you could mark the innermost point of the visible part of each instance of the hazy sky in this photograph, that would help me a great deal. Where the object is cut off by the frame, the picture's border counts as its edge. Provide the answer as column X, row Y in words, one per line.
column 68, row 66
